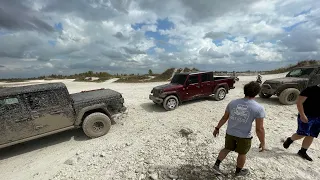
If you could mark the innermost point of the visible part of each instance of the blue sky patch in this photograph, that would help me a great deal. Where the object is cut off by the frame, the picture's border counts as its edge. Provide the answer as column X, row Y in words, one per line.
column 290, row 28
column 164, row 24
column 137, row 26
column 58, row 26
column 52, row 43
column 303, row 12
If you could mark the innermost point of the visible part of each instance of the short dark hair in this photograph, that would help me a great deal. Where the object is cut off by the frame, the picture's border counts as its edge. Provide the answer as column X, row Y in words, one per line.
column 251, row 89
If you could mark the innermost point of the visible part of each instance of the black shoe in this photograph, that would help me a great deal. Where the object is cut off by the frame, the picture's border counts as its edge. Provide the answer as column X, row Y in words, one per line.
column 304, row 155
column 287, row 143
column 242, row 172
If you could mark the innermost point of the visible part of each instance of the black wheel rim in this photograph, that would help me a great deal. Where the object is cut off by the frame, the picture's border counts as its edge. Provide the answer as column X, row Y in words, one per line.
column 98, row 126
column 291, row 97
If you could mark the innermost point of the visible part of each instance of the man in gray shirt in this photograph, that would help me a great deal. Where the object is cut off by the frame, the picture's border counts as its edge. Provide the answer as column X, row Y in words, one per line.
column 241, row 113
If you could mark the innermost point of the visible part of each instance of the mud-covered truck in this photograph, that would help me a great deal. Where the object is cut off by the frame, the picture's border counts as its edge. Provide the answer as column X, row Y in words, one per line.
column 188, row 86
column 289, row 87
column 34, row 111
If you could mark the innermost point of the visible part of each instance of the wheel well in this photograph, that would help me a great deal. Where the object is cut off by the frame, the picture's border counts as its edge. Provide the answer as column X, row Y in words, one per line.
column 100, row 110
column 288, row 87
column 175, row 96
column 221, row 86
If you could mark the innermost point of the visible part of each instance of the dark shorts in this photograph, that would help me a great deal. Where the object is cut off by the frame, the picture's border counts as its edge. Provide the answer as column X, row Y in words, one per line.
column 239, row 145
column 312, row 128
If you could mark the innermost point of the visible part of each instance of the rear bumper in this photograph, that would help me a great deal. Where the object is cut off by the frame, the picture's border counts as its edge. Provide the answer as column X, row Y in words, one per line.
column 155, row 99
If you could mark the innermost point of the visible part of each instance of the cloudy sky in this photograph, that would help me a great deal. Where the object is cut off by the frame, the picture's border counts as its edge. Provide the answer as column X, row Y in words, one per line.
column 39, row 37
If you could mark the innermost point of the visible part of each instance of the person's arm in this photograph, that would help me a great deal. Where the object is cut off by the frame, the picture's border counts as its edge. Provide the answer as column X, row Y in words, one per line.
column 260, row 132
column 300, row 101
column 222, row 121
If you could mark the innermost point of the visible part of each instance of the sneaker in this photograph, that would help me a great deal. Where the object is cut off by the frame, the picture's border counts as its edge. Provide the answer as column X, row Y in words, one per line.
column 304, row 155
column 242, row 172
column 287, row 143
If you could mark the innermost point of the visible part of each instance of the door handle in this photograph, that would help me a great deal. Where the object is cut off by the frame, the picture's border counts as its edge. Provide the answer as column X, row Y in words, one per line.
column 56, row 112
column 39, row 127
column 198, row 86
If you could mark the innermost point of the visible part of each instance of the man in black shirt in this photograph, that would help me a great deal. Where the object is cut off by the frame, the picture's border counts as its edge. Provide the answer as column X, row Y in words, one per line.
column 308, row 120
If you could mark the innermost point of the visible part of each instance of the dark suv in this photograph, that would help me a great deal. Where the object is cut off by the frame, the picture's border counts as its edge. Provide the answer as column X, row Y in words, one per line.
column 289, row 87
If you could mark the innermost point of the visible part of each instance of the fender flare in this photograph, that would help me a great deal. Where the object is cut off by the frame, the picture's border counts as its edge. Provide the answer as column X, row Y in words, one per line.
column 225, row 85
column 89, row 108
column 289, row 85
column 175, row 93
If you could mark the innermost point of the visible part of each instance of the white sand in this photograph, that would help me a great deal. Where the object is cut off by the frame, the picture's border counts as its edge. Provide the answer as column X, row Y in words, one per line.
column 148, row 142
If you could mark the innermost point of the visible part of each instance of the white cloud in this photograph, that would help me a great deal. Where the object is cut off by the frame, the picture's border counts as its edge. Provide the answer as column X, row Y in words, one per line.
column 99, row 35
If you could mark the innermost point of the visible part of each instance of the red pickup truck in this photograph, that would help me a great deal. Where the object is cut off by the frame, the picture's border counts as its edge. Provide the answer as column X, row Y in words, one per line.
column 189, row 86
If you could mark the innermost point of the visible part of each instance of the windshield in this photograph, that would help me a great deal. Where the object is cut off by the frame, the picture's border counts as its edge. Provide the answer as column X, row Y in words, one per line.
column 303, row 72
column 179, row 79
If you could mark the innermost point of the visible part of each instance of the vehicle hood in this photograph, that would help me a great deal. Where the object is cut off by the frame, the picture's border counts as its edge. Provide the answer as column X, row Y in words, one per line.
column 169, row 86
column 286, row 80
column 95, row 95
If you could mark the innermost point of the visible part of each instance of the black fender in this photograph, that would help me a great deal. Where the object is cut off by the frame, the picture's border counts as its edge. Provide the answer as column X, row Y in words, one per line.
column 175, row 93
column 289, row 85
column 97, row 107
column 225, row 85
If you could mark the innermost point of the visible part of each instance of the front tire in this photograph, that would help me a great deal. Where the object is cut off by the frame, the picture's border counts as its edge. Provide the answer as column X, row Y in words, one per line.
column 170, row 103
column 96, row 125
column 289, row 96
column 264, row 96
column 220, row 94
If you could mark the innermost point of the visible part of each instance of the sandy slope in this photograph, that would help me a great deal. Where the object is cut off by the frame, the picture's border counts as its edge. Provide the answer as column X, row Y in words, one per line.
column 147, row 142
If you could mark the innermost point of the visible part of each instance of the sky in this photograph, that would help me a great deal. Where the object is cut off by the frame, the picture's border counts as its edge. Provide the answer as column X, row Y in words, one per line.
column 41, row 37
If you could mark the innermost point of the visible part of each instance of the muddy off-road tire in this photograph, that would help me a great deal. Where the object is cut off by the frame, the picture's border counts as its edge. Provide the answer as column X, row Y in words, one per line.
column 289, row 96
column 170, row 103
column 96, row 125
column 220, row 94
column 264, row 96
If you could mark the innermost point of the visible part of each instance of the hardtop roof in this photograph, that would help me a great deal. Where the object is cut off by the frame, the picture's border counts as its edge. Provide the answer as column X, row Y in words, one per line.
column 10, row 91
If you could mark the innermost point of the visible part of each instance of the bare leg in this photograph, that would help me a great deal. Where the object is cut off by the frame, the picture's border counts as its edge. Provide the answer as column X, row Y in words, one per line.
column 296, row 136
column 241, row 160
column 307, row 141
column 223, row 154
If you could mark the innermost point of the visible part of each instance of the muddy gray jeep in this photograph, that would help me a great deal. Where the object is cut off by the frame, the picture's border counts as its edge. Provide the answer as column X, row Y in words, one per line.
column 289, row 87
column 34, row 111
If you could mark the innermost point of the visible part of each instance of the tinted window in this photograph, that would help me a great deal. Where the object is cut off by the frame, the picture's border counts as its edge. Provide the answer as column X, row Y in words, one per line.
column 193, row 79
column 10, row 106
column 205, row 77
column 300, row 72
column 179, row 79
column 41, row 100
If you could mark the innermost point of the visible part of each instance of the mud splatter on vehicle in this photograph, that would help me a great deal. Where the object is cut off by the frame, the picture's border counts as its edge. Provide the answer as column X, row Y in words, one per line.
column 33, row 111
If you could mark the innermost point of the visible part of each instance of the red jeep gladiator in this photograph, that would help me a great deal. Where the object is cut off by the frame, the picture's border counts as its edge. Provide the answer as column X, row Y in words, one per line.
column 189, row 86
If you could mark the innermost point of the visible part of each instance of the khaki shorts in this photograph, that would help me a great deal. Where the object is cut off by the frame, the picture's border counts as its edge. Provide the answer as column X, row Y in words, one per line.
column 239, row 145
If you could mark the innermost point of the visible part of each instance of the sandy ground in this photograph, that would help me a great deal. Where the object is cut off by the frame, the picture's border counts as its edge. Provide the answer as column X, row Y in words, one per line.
column 147, row 144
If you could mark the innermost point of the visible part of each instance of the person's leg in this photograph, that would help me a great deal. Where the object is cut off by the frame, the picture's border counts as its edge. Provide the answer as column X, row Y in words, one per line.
column 302, row 131
column 230, row 145
column 242, row 149
column 314, row 132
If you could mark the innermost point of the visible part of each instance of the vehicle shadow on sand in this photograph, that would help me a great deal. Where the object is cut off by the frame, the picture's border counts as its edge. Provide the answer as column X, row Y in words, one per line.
column 152, row 107
column 41, row 143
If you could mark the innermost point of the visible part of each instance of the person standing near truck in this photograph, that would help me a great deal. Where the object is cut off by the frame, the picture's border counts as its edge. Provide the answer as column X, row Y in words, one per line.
column 240, row 114
column 308, row 120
